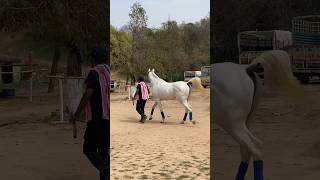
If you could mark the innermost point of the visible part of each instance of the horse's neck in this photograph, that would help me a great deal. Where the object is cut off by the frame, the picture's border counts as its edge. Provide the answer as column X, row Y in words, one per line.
column 158, row 81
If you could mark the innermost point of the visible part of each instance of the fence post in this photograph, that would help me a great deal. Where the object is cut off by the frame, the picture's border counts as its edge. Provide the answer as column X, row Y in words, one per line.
column 30, row 58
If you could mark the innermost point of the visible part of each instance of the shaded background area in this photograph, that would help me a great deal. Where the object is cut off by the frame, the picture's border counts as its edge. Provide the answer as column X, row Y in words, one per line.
column 231, row 16
column 64, row 32
column 71, row 28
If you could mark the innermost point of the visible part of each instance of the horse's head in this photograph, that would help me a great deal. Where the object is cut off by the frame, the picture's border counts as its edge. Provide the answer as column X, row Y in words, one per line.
column 151, row 75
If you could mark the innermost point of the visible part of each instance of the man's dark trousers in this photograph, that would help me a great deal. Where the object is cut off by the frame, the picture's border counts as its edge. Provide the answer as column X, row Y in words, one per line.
column 97, row 144
column 140, row 106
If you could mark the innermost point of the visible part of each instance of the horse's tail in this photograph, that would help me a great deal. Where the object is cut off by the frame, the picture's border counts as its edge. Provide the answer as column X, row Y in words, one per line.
column 196, row 83
column 277, row 72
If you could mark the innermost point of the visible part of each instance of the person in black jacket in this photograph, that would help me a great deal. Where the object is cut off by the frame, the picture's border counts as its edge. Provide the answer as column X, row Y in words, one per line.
column 96, row 104
column 143, row 95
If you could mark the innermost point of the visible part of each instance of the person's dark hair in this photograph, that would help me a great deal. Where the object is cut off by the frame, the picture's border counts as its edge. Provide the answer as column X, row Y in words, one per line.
column 140, row 78
column 99, row 55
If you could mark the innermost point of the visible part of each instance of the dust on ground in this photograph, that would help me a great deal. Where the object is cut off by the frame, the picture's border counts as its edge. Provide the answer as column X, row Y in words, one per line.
column 32, row 147
column 291, row 138
column 160, row 151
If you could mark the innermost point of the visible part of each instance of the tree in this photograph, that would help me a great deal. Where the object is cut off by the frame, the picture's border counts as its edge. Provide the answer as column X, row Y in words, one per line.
column 171, row 49
column 138, row 25
column 120, row 46
column 68, row 24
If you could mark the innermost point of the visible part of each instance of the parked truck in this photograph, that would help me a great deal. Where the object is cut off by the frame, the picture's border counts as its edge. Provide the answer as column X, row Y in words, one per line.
column 305, row 52
column 191, row 74
column 252, row 44
column 205, row 76
column 302, row 45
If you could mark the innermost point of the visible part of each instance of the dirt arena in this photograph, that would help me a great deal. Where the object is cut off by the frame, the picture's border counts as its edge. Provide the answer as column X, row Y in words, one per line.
column 32, row 148
column 291, row 136
column 160, row 151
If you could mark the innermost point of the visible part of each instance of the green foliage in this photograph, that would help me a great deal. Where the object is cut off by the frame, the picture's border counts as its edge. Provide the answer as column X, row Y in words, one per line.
column 138, row 18
column 138, row 27
column 170, row 50
column 120, row 46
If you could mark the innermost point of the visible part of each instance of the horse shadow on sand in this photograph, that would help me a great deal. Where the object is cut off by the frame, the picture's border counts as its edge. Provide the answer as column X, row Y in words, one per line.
column 136, row 121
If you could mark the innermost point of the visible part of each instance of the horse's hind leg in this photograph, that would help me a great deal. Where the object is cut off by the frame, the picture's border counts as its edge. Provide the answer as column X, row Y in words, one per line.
column 161, row 111
column 187, row 109
column 248, row 147
column 243, row 167
column 185, row 116
column 258, row 163
column 152, row 110
column 254, row 139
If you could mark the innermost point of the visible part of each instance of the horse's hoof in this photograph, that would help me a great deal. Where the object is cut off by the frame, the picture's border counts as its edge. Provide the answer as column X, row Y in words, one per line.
column 150, row 118
column 182, row 122
column 162, row 122
column 193, row 122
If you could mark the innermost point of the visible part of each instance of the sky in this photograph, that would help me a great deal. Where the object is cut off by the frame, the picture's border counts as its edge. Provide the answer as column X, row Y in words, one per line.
column 159, row 11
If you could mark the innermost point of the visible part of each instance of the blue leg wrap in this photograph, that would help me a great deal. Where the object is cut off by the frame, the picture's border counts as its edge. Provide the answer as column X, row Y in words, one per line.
column 152, row 111
column 190, row 116
column 162, row 114
column 185, row 116
column 258, row 170
column 242, row 170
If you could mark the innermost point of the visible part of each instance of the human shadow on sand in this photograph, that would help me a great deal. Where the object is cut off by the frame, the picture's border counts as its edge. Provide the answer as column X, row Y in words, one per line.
column 149, row 122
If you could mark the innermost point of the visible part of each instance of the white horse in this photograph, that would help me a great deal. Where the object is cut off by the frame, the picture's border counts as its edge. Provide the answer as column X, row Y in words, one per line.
column 235, row 95
column 180, row 90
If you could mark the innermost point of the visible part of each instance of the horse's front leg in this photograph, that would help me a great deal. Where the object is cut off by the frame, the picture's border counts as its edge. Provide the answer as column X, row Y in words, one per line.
column 152, row 110
column 161, row 111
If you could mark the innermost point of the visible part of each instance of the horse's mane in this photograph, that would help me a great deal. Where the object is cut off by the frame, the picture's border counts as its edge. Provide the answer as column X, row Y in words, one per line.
column 157, row 77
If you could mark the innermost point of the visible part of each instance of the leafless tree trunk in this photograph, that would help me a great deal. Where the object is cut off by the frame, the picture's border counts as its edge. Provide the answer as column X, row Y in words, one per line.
column 54, row 67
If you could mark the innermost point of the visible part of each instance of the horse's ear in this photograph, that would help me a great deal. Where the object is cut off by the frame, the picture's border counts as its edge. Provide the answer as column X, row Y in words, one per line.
column 152, row 70
column 149, row 70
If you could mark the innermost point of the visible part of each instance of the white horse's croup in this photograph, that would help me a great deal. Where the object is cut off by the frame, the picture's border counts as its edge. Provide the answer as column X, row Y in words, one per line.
column 180, row 90
column 236, row 91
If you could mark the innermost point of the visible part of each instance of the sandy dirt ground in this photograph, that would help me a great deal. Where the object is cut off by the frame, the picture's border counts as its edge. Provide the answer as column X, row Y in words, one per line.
column 291, row 136
column 32, row 148
column 160, row 151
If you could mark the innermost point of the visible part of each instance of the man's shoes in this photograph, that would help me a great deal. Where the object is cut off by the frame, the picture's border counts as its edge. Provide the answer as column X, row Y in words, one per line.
column 144, row 118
